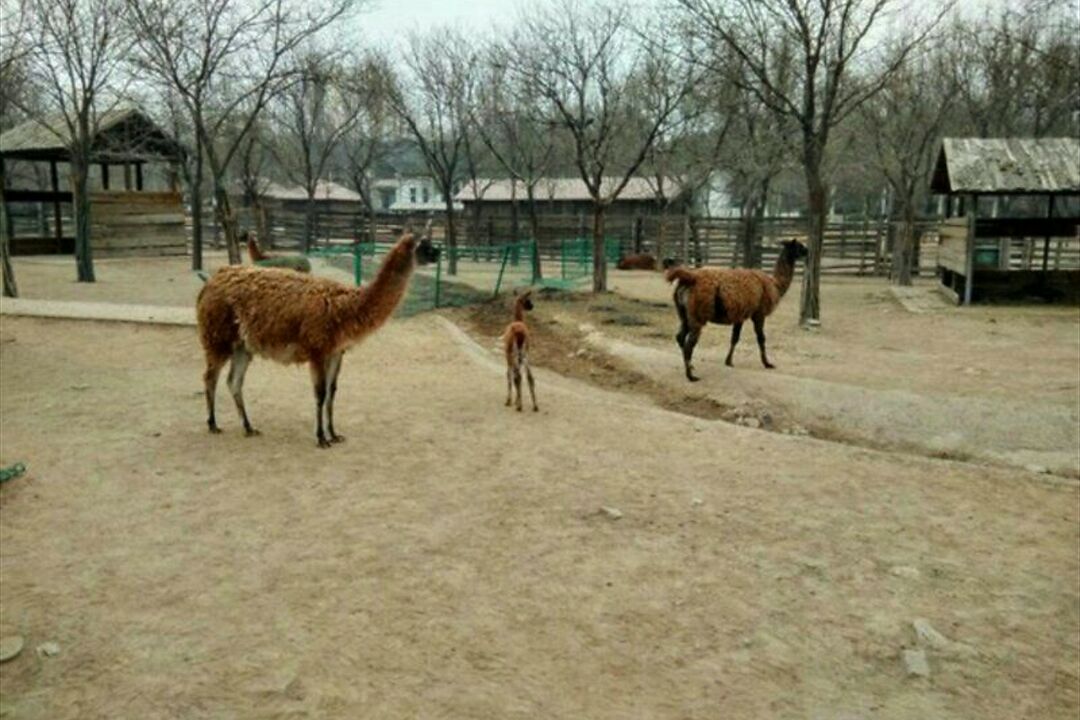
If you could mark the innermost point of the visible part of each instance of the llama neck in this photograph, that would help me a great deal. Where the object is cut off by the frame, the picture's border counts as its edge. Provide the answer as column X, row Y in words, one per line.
column 373, row 304
column 254, row 250
column 519, row 312
column 783, row 272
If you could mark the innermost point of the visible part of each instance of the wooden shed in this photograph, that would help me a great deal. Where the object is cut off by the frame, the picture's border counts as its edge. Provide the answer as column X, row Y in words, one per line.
column 131, row 213
column 1012, row 217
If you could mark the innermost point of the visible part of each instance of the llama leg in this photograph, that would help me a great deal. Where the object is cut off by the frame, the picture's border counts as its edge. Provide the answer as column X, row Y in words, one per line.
column 684, row 323
column 318, row 380
column 517, row 387
column 759, row 330
column 333, row 368
column 532, row 386
column 736, row 329
column 688, row 352
column 240, row 360
column 509, row 383
column 210, row 378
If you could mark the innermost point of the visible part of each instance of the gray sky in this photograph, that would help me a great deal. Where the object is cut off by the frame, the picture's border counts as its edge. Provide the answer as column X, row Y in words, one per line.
column 395, row 18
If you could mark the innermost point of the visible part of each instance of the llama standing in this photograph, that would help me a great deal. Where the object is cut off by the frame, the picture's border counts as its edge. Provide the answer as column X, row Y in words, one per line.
column 516, row 346
column 294, row 318
column 730, row 297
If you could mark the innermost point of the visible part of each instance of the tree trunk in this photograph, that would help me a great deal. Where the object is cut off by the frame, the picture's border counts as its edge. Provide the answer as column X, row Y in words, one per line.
column 451, row 233
column 195, row 183
column 515, row 235
column 817, row 196
column 534, row 232
column 262, row 225
column 227, row 219
column 11, row 289
column 903, row 251
column 599, row 259
column 80, row 199
column 309, row 221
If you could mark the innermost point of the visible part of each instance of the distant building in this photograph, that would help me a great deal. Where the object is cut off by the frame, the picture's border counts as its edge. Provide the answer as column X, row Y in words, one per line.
column 570, row 196
column 401, row 181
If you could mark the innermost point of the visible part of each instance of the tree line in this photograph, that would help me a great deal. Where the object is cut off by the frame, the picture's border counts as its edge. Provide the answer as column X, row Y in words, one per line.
column 853, row 95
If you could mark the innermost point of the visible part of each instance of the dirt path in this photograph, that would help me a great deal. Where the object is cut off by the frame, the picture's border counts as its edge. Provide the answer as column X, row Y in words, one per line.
column 448, row 560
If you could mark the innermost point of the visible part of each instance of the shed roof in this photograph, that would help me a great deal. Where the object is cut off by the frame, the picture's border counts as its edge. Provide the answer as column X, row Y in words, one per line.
column 123, row 134
column 1014, row 166
column 566, row 189
column 324, row 190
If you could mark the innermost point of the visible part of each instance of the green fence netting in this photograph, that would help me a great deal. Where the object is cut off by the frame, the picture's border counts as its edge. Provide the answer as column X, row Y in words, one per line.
column 468, row 274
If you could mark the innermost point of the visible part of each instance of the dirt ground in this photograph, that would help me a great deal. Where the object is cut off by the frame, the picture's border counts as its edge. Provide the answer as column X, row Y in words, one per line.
column 450, row 559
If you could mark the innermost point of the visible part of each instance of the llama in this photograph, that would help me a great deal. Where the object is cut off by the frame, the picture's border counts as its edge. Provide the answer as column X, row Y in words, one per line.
column 294, row 318
column 516, row 346
column 730, row 297
column 637, row 262
column 299, row 263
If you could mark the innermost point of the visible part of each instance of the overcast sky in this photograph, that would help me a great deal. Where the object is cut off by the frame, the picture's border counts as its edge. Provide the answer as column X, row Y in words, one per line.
column 388, row 19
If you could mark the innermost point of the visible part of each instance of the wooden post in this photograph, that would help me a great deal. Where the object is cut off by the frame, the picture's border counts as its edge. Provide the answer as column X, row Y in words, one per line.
column 57, row 219
column 104, row 176
column 1046, row 244
column 138, row 176
column 969, row 254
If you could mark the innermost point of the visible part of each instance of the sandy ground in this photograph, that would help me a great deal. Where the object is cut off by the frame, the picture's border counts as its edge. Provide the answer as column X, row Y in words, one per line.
column 449, row 559
column 993, row 383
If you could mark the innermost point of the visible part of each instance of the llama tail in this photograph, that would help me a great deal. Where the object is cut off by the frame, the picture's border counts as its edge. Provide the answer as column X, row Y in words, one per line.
column 680, row 275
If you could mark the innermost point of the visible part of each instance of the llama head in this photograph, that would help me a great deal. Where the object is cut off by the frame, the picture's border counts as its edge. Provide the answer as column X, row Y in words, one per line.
column 525, row 299
column 793, row 250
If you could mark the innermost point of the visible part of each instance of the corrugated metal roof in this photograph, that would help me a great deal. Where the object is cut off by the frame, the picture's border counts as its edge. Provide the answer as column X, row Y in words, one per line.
column 1007, row 165
column 568, row 189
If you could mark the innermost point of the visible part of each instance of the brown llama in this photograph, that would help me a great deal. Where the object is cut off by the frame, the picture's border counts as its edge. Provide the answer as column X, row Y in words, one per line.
column 637, row 262
column 259, row 257
column 516, row 346
column 730, row 297
column 294, row 318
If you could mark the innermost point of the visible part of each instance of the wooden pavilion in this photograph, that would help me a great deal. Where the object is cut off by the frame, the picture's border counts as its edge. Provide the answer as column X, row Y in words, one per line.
column 1012, row 217
column 129, row 216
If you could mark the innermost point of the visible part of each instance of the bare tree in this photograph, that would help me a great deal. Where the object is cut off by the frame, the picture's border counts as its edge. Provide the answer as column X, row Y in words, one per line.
column 252, row 164
column 823, row 45
column 225, row 60
column 1018, row 72
column 614, row 91
column 519, row 135
column 904, row 124
column 368, row 83
column 14, row 54
column 79, row 46
column 314, row 113
column 433, row 102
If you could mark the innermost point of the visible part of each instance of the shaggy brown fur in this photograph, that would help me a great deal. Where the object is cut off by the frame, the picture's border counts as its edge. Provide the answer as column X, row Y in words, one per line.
column 637, row 262
column 294, row 318
column 516, row 347
column 730, row 297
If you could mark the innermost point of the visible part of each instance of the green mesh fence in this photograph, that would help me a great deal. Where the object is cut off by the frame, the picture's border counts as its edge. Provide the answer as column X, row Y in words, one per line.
column 477, row 273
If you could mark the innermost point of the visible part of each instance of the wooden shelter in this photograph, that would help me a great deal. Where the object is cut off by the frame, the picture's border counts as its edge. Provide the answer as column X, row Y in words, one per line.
column 127, row 217
column 1008, row 200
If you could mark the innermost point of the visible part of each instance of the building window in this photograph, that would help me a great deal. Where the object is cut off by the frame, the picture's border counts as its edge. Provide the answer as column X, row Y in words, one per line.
column 426, row 196
column 412, row 195
column 387, row 199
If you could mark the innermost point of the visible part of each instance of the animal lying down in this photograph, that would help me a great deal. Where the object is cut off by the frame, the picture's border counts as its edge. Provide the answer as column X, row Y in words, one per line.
column 299, row 263
column 730, row 297
column 293, row 317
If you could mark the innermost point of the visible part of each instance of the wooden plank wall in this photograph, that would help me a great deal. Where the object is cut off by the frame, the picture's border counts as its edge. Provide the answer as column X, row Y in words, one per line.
column 125, row 223
column 952, row 244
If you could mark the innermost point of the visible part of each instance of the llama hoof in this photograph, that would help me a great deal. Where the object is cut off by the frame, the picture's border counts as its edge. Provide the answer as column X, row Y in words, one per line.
column 337, row 438
column 324, row 443
column 215, row 430
column 251, row 432
column 518, row 408
column 770, row 366
column 507, row 403
column 691, row 377
column 536, row 409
